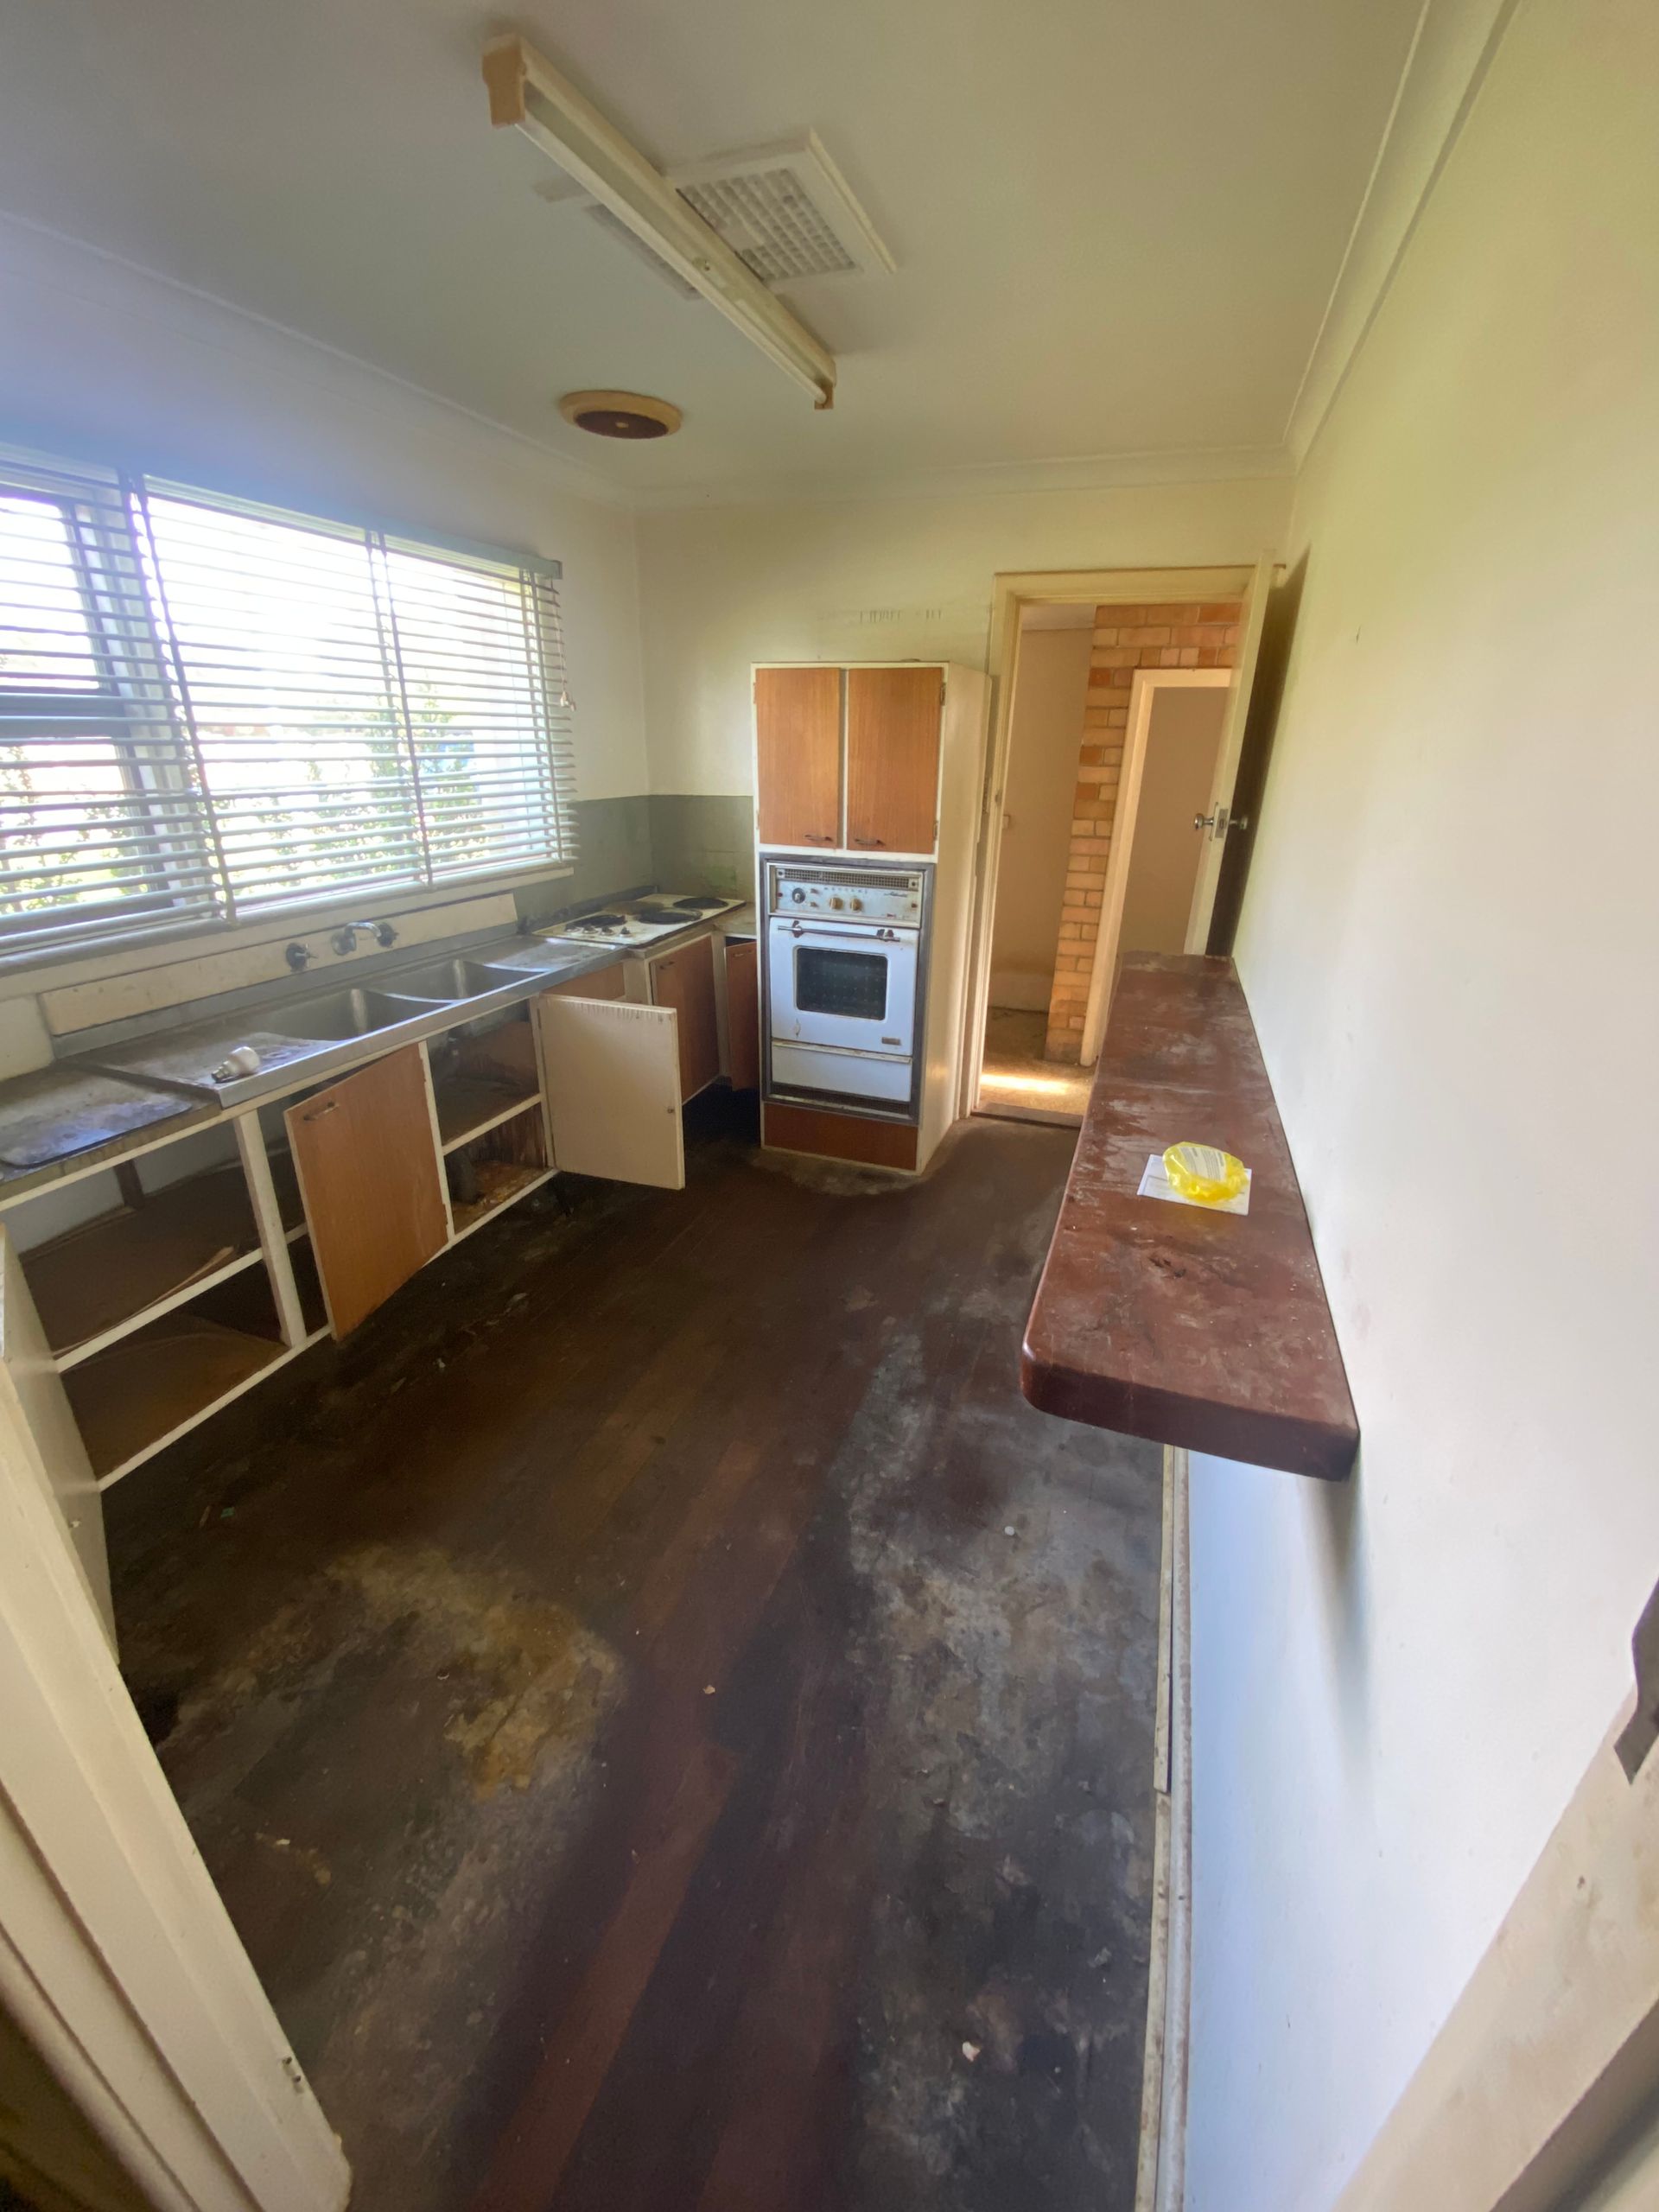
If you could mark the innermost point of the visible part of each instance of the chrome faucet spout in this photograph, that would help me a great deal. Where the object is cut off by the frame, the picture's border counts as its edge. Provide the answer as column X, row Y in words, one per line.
column 344, row 939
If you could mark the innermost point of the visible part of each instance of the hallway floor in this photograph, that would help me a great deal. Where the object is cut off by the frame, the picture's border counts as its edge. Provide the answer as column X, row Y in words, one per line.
column 671, row 1725
column 1014, row 1078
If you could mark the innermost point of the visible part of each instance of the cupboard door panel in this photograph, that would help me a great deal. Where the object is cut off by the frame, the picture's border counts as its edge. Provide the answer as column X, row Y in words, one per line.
column 611, row 1076
column 367, row 1159
column 797, row 755
column 743, row 1013
column 610, row 982
column 685, row 980
column 893, row 758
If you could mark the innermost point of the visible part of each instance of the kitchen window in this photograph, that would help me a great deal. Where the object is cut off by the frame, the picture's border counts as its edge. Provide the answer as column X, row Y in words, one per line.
column 211, row 710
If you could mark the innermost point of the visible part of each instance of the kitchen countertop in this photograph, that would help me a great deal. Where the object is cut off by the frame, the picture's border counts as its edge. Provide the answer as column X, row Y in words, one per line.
column 1173, row 1322
column 82, row 1113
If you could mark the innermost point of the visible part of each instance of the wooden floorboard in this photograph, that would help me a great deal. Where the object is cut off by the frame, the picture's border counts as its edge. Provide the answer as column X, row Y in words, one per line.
column 672, row 1725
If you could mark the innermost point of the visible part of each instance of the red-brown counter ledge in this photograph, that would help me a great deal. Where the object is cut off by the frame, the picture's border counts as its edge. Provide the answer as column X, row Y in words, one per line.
column 1207, row 1330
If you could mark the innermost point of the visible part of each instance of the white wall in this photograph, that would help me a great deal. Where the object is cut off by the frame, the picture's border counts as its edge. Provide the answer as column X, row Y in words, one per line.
column 103, row 361
column 1449, row 947
column 879, row 580
column 1045, row 735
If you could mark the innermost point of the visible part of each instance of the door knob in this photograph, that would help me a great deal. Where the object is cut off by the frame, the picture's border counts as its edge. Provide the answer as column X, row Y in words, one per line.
column 1203, row 822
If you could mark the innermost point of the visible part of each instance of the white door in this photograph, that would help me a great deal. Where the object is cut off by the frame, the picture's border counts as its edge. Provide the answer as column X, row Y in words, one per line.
column 49, row 1438
column 1218, row 815
column 611, row 1076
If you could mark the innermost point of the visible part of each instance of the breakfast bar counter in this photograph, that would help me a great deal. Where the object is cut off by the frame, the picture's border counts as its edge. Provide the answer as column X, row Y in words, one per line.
column 1180, row 1323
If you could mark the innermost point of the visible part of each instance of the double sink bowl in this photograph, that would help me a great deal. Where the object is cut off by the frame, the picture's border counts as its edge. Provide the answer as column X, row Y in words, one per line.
column 262, row 1041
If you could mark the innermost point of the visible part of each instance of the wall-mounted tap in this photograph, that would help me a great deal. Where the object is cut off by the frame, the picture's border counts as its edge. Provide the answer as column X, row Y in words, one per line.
column 344, row 939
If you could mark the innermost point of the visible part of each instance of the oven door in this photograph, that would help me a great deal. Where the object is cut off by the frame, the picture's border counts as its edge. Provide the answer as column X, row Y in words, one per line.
column 832, row 984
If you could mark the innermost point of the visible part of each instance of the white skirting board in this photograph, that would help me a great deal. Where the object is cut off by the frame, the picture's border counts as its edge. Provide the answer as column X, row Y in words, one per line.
column 1161, row 2176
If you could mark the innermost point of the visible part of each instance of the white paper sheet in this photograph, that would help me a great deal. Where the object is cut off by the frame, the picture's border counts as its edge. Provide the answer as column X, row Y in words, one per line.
column 1154, row 1184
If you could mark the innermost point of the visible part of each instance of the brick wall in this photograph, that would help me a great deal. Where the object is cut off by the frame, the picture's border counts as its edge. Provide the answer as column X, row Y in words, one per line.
column 1125, row 637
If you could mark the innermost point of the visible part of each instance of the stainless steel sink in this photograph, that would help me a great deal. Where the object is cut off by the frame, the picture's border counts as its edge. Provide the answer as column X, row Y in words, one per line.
column 454, row 979
column 354, row 1013
column 304, row 1038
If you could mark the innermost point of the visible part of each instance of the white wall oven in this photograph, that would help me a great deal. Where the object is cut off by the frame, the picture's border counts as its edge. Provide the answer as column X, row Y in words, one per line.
column 845, row 959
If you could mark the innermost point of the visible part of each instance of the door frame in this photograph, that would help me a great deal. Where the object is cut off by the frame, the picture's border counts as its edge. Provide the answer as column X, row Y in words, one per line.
column 1012, row 592
column 1145, row 685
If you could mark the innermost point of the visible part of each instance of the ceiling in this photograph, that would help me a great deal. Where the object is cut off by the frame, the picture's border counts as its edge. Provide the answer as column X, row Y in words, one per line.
column 1117, row 225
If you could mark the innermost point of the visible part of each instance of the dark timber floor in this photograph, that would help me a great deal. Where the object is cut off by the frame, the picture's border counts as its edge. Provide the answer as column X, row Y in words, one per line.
column 673, row 1726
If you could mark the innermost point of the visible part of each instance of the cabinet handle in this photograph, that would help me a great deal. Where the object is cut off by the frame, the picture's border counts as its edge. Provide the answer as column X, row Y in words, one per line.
column 870, row 840
column 808, row 838
column 317, row 1112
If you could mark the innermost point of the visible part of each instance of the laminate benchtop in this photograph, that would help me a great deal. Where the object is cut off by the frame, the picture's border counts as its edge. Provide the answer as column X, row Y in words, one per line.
column 1175, row 1322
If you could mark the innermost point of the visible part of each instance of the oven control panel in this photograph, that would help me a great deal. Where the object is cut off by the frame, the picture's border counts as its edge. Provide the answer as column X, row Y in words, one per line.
column 890, row 895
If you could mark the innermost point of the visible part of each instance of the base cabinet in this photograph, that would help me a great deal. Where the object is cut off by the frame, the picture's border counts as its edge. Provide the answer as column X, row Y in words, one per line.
column 743, row 1013
column 685, row 980
column 187, row 1272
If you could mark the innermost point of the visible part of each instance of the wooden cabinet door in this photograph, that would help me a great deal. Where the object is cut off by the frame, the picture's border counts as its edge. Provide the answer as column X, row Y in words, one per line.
column 797, row 755
column 743, row 1013
column 611, row 1076
column 893, row 758
column 685, row 980
column 610, row 982
column 367, row 1154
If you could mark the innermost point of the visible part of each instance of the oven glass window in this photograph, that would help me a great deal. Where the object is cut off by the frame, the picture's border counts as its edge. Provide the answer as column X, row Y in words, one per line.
column 851, row 983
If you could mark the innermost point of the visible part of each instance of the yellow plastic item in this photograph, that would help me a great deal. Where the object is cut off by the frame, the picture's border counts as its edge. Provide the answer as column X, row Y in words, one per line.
column 1202, row 1172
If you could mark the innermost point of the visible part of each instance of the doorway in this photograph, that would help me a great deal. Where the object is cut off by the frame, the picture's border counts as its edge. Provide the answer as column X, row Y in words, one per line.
column 1018, row 1076
column 1064, row 786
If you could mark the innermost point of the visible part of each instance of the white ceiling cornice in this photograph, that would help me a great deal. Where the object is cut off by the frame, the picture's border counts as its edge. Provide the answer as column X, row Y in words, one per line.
column 1083, row 472
column 1452, row 49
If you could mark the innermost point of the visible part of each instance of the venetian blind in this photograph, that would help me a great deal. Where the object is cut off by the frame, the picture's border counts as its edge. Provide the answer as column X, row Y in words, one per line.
column 103, row 824
column 210, row 710
column 367, row 712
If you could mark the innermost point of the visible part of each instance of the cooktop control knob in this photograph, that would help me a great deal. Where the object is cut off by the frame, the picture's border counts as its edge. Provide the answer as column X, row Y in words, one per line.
column 857, row 905
column 835, row 903
column 798, row 895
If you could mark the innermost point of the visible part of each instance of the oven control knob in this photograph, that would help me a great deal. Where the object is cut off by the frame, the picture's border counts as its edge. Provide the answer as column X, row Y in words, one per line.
column 798, row 895
column 835, row 903
column 857, row 905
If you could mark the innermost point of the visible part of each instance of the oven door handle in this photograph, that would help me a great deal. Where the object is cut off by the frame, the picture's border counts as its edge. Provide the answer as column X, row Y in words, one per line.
column 882, row 935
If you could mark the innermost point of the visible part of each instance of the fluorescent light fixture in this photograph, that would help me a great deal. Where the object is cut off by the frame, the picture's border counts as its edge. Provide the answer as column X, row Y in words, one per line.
column 527, row 91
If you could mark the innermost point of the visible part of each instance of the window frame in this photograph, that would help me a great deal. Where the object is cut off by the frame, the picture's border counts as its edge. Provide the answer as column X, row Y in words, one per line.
column 164, row 915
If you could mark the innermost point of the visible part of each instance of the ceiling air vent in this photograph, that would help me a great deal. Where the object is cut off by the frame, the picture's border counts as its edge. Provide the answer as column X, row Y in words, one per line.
column 785, row 210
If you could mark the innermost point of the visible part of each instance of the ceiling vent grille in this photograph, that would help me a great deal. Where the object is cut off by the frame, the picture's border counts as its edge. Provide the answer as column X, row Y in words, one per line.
column 785, row 210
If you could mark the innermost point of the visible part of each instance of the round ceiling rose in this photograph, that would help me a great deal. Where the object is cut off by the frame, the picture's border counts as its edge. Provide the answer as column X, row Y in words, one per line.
column 620, row 414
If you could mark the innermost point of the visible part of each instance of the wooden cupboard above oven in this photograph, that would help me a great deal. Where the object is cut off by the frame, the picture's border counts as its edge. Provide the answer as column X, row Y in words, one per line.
column 851, row 759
